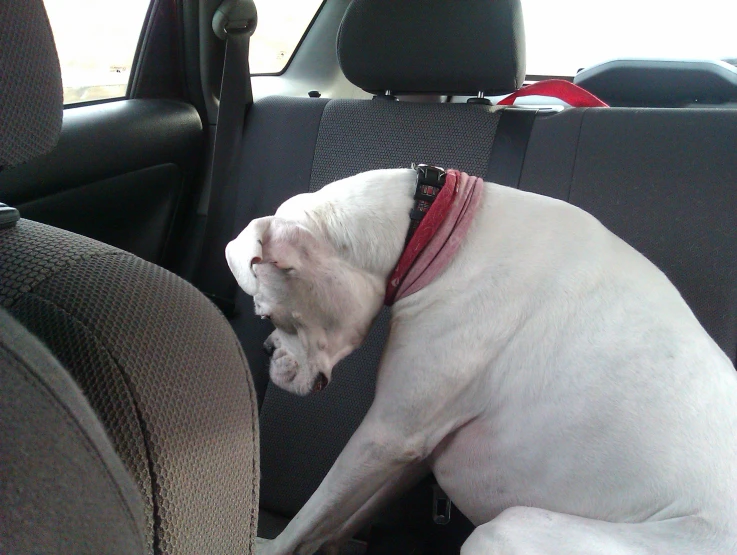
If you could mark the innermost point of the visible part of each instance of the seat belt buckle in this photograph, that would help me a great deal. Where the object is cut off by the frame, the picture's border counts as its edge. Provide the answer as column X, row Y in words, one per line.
column 441, row 506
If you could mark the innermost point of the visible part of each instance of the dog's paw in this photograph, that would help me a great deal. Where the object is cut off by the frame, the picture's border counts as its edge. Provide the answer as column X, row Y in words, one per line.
column 284, row 367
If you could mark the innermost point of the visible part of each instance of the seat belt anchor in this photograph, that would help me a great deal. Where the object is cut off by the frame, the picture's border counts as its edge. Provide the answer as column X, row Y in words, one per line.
column 235, row 17
column 441, row 506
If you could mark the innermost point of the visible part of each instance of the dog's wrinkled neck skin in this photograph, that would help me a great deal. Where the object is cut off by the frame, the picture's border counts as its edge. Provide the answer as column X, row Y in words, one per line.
column 364, row 217
column 318, row 269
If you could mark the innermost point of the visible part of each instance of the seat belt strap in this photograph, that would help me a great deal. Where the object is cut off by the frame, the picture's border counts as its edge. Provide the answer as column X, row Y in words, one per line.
column 510, row 146
column 235, row 22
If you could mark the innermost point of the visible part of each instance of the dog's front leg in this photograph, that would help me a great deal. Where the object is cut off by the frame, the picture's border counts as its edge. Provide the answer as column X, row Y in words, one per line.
column 375, row 455
column 391, row 489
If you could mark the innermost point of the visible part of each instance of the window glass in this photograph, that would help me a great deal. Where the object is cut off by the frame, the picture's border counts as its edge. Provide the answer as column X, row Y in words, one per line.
column 281, row 24
column 96, row 41
column 567, row 35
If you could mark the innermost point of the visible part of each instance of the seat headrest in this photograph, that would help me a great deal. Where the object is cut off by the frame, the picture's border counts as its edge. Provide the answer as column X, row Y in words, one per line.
column 31, row 95
column 433, row 46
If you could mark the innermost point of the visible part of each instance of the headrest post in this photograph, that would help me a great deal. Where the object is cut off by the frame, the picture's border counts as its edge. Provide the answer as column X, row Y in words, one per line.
column 387, row 95
column 480, row 98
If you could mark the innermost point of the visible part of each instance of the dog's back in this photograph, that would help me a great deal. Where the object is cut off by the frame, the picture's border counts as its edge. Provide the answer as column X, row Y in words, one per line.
column 602, row 395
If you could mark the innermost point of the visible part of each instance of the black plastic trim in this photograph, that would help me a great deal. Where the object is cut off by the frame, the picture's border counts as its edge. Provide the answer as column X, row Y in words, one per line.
column 106, row 140
column 143, row 40
column 657, row 83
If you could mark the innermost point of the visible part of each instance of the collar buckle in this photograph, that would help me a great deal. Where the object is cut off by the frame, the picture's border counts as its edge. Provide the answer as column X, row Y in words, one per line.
column 430, row 180
column 430, row 175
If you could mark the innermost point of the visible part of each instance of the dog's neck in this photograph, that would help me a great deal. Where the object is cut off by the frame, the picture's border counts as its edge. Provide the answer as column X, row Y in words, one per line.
column 366, row 218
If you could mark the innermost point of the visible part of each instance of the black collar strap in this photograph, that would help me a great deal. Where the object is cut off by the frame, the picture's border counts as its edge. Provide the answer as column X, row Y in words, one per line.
column 430, row 180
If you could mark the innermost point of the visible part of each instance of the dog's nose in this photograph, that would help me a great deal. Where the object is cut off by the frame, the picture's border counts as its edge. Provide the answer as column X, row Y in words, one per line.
column 269, row 348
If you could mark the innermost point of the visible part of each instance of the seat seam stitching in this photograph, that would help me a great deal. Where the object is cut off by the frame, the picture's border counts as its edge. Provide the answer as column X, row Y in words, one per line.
column 65, row 266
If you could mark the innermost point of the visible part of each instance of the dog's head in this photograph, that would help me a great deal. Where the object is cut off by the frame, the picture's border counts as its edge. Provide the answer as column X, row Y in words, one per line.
column 321, row 305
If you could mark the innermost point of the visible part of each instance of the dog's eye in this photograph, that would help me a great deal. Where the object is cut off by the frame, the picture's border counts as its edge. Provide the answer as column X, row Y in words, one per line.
column 286, row 270
column 266, row 316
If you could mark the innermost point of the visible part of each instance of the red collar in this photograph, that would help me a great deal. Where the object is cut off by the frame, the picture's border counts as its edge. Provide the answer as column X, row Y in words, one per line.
column 445, row 205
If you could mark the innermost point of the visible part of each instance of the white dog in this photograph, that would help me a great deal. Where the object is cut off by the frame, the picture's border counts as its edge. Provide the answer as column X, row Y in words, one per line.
column 552, row 378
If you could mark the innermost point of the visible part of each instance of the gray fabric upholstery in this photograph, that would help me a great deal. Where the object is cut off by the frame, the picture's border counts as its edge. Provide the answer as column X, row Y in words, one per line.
column 162, row 369
column 356, row 136
column 662, row 180
column 31, row 104
column 63, row 489
column 302, row 436
column 433, row 46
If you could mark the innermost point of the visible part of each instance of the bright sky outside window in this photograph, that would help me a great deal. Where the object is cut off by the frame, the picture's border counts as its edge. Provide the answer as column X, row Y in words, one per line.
column 96, row 41
column 564, row 36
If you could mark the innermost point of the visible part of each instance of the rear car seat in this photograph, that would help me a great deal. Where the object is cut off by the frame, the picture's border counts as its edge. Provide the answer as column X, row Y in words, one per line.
column 651, row 176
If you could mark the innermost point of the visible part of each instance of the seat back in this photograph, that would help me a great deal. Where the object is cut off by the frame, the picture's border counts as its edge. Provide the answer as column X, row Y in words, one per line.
column 301, row 437
column 159, row 365
column 665, row 181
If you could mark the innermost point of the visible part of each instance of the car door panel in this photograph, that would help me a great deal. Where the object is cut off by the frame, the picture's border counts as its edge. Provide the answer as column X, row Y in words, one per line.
column 118, row 174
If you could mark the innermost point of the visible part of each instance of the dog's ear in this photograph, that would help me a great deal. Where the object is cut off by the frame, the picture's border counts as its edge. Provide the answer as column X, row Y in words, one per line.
column 246, row 250
column 271, row 240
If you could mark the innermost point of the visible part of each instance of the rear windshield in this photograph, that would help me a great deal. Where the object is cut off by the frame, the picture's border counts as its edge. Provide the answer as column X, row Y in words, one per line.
column 566, row 35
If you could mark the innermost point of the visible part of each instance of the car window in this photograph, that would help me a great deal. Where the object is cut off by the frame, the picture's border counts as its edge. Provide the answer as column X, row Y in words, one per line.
column 567, row 35
column 96, row 41
column 281, row 25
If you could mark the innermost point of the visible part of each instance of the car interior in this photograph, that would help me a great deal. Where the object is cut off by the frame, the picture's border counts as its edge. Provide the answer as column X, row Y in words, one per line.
column 136, row 411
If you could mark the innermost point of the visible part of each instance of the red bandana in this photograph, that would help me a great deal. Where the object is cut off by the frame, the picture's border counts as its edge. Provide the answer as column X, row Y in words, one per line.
column 437, row 237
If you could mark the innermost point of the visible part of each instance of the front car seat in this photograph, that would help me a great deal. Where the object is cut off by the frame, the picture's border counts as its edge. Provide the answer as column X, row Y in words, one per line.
column 159, row 365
